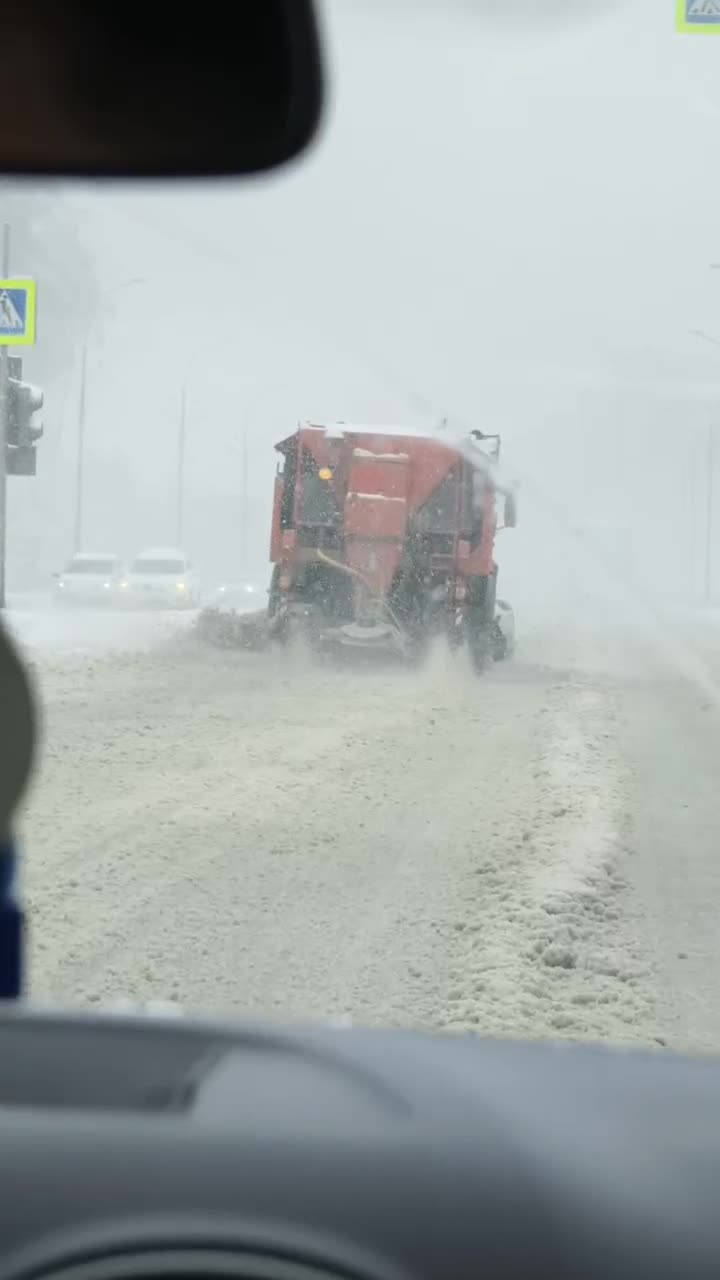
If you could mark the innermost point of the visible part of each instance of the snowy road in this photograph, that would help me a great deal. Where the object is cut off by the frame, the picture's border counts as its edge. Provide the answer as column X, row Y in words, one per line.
column 46, row 630
column 534, row 852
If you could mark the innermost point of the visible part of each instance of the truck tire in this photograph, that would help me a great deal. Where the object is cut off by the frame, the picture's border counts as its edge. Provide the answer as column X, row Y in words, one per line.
column 500, row 647
column 274, row 592
column 418, row 647
column 480, row 621
column 480, row 645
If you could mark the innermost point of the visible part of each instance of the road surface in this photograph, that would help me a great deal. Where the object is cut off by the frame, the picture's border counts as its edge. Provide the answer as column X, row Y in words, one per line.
column 532, row 853
column 47, row 631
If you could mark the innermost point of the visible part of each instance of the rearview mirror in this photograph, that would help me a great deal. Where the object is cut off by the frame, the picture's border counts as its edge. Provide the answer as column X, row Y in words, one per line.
column 116, row 90
column 510, row 517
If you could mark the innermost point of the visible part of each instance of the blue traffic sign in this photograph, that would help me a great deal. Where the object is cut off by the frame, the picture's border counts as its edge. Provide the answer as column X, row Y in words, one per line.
column 702, row 10
column 698, row 17
column 17, row 313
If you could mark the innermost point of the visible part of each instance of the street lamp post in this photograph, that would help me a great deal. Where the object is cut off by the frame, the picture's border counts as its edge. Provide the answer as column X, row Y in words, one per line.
column 80, row 460
column 182, row 434
column 708, row 592
column 702, row 336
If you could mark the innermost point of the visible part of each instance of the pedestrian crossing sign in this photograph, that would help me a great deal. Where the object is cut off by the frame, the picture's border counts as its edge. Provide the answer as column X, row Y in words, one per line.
column 17, row 313
column 697, row 17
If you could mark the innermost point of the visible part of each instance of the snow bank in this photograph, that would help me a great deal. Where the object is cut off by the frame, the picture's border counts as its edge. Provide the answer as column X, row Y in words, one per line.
column 547, row 950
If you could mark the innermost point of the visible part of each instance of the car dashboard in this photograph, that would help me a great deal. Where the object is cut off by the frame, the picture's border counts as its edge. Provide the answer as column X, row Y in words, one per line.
column 133, row 1147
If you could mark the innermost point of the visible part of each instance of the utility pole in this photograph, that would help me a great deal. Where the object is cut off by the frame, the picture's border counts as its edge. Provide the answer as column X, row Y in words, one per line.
column 708, row 592
column 710, row 465
column 80, row 464
column 4, row 406
column 244, row 521
column 182, row 432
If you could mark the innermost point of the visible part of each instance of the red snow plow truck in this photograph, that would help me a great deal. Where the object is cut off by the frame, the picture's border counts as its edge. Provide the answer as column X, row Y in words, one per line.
column 382, row 540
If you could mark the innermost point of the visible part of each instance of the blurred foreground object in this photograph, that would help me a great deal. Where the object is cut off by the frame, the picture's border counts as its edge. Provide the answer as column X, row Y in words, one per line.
column 17, row 732
column 11, row 926
column 238, row 92
column 17, row 740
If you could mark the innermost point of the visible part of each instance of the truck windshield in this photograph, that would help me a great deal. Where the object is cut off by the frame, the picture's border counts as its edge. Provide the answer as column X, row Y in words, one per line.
column 317, row 500
column 439, row 515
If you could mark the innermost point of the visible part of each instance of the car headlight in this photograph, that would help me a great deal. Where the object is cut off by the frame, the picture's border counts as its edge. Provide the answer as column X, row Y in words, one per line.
column 180, row 586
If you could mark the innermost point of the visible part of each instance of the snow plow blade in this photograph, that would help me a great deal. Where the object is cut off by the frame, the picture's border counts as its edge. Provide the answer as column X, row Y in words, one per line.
column 230, row 630
column 378, row 638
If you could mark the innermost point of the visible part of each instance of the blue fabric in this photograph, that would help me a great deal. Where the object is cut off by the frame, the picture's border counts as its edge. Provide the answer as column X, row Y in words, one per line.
column 12, row 925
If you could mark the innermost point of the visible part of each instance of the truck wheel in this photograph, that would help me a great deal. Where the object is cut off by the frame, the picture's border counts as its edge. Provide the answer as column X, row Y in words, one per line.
column 417, row 649
column 455, row 635
column 274, row 591
column 286, row 632
column 480, row 619
column 500, row 647
column 481, row 650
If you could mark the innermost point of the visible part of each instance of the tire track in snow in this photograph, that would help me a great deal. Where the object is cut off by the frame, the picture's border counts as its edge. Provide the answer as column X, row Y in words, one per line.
column 553, row 950
column 426, row 850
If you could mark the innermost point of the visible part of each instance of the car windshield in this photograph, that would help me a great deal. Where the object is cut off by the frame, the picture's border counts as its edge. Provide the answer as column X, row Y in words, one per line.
column 91, row 567
column 158, row 567
column 479, row 325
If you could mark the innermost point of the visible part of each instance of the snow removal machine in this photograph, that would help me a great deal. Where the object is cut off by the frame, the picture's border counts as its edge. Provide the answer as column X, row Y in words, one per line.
column 382, row 540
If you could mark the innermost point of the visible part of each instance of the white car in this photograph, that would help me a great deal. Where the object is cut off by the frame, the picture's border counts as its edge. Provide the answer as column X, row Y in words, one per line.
column 164, row 577
column 89, row 578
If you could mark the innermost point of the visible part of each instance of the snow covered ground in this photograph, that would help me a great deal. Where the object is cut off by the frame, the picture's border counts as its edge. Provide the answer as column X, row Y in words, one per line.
column 43, row 628
column 533, row 852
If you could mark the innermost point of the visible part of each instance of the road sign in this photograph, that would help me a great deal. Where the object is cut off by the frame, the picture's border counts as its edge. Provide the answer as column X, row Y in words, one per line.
column 17, row 313
column 700, row 17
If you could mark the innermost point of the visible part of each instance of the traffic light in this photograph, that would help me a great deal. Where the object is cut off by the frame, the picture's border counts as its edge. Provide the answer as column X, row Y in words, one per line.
column 24, row 401
column 23, row 428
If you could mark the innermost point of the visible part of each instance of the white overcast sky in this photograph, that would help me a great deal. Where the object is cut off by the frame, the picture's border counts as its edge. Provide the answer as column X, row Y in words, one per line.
column 496, row 217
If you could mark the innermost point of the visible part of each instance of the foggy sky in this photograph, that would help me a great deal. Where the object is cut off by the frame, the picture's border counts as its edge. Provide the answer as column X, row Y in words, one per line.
column 512, row 222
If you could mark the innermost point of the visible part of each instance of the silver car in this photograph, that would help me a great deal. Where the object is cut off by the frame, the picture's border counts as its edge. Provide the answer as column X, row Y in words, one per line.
column 162, row 577
column 89, row 578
